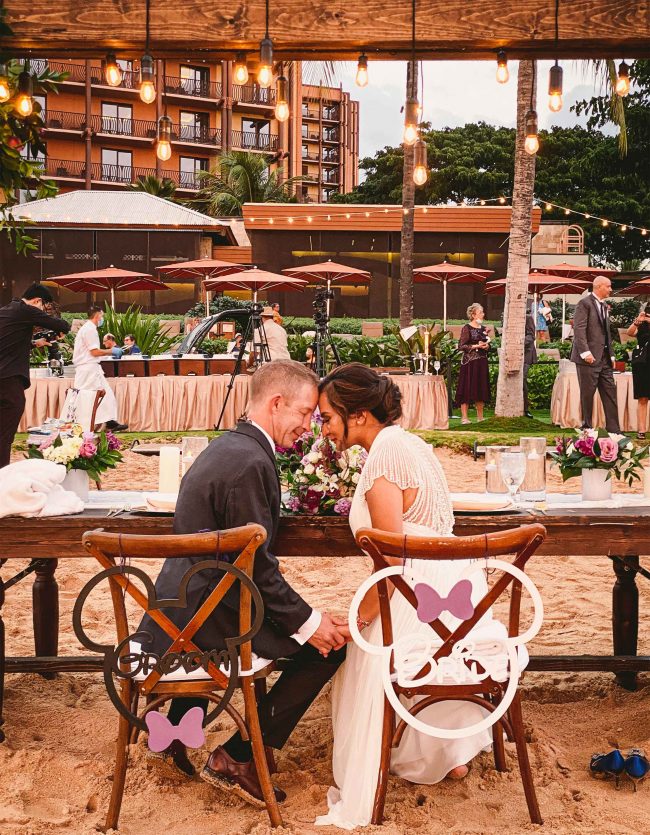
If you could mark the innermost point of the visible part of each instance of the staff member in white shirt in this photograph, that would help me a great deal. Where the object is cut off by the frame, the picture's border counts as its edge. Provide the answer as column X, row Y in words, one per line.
column 89, row 375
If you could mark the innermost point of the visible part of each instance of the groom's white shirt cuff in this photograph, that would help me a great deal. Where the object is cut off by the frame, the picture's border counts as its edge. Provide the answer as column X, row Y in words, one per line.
column 313, row 621
column 585, row 354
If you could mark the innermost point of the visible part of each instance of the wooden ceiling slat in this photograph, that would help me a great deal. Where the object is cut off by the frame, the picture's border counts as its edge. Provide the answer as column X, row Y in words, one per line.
column 335, row 29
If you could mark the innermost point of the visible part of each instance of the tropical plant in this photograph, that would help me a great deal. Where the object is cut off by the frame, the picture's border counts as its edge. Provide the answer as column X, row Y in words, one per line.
column 158, row 186
column 145, row 330
column 241, row 177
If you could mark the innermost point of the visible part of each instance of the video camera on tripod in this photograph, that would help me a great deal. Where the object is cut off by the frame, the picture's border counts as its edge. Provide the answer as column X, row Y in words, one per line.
column 321, row 307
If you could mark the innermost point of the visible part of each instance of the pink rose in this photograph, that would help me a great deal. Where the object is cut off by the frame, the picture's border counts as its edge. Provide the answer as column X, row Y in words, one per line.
column 608, row 450
column 585, row 446
column 87, row 449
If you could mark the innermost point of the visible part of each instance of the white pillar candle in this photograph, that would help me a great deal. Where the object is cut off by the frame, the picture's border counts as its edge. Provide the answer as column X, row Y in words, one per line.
column 168, row 472
column 646, row 482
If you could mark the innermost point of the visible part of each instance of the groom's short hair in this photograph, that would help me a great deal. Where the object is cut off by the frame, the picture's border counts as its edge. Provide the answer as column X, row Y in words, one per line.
column 284, row 376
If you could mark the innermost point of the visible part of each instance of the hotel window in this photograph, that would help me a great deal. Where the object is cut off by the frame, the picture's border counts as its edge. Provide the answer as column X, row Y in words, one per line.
column 189, row 167
column 305, row 131
column 117, row 118
column 330, row 111
column 116, row 166
column 195, row 80
column 194, row 126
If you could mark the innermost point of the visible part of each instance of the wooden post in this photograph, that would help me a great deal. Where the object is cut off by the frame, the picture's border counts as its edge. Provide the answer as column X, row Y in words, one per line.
column 45, row 602
column 2, row 657
column 625, row 615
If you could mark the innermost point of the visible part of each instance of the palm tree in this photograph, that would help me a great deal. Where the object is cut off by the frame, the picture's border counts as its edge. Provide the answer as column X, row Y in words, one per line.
column 158, row 186
column 240, row 177
column 408, row 215
column 510, row 397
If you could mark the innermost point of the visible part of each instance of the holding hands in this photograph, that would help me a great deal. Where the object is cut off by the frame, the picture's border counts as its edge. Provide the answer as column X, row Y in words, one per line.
column 332, row 633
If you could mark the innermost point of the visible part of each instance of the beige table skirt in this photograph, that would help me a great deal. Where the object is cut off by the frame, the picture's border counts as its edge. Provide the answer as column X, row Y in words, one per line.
column 565, row 403
column 178, row 404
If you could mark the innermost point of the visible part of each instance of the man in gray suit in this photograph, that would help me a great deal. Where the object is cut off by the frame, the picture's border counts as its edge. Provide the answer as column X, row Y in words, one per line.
column 592, row 354
column 530, row 356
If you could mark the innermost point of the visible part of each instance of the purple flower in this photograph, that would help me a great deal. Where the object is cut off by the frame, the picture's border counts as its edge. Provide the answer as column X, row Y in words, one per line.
column 112, row 441
column 608, row 450
column 586, row 446
column 281, row 450
column 294, row 504
column 88, row 449
column 342, row 507
column 312, row 500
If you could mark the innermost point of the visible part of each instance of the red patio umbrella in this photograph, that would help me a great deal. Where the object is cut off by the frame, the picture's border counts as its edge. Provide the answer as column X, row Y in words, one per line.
column 446, row 272
column 255, row 280
column 111, row 278
column 328, row 272
column 204, row 268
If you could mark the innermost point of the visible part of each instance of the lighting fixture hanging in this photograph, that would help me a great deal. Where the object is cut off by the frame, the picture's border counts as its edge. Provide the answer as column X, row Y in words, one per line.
column 531, row 142
column 281, row 99
column 164, row 138
column 420, row 172
column 411, row 108
column 24, row 100
column 112, row 70
column 241, row 68
column 555, row 75
column 503, row 74
column 265, row 69
column 147, row 86
column 362, row 70
column 623, row 80
column 5, row 87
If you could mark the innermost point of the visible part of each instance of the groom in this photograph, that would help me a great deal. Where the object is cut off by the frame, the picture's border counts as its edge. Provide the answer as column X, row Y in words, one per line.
column 234, row 482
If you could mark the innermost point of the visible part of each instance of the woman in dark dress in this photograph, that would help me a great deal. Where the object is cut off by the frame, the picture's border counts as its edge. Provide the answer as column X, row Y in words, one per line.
column 474, row 378
column 641, row 372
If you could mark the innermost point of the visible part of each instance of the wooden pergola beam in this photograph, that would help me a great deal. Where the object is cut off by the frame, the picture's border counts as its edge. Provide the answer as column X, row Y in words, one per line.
column 331, row 29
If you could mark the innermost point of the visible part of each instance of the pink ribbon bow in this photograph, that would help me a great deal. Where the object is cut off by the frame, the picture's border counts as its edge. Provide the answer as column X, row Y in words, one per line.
column 431, row 605
column 162, row 733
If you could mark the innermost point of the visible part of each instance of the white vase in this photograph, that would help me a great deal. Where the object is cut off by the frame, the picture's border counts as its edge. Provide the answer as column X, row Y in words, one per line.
column 596, row 487
column 76, row 481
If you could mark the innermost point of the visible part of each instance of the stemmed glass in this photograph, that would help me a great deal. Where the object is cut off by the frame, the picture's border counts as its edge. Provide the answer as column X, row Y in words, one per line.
column 436, row 366
column 513, row 472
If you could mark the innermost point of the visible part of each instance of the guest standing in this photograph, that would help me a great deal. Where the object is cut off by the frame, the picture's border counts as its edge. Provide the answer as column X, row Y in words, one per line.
column 641, row 368
column 276, row 314
column 543, row 318
column 592, row 354
column 17, row 322
column 474, row 378
column 530, row 357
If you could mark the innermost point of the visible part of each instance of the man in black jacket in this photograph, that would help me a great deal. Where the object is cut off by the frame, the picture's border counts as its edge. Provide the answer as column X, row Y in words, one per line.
column 234, row 482
column 17, row 322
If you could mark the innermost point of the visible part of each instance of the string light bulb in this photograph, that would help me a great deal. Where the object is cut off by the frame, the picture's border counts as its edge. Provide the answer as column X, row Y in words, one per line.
column 503, row 73
column 282, row 104
column 411, row 121
column 548, row 207
column 147, row 86
column 420, row 173
column 112, row 70
column 265, row 69
column 5, row 87
column 241, row 69
column 24, row 100
column 362, row 71
column 555, row 88
column 531, row 143
column 164, row 138
column 623, row 80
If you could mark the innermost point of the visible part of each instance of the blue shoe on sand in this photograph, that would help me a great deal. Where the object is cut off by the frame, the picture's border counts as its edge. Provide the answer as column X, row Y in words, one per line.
column 636, row 766
column 609, row 765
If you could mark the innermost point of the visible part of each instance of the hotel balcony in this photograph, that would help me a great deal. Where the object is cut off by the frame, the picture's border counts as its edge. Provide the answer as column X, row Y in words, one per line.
column 252, row 94
column 250, row 141
column 189, row 88
column 75, row 171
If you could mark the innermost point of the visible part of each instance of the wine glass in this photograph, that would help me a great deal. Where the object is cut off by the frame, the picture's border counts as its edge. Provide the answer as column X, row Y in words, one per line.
column 513, row 472
column 436, row 367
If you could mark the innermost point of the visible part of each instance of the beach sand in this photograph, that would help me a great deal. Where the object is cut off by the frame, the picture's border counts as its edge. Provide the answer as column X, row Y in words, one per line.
column 56, row 764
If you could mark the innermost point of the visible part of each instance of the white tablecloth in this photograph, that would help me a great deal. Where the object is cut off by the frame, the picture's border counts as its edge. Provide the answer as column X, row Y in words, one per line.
column 565, row 401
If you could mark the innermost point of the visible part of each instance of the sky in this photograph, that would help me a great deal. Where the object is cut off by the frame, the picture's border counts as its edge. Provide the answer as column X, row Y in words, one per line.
column 455, row 93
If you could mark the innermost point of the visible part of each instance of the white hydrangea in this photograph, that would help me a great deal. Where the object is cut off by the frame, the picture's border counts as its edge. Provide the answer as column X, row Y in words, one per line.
column 309, row 469
column 313, row 457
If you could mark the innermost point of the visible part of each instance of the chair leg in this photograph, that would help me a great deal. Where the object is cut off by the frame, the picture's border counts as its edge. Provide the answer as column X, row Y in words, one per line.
column 517, row 722
column 259, row 754
column 135, row 731
column 260, row 691
column 387, row 731
column 121, row 762
column 498, row 747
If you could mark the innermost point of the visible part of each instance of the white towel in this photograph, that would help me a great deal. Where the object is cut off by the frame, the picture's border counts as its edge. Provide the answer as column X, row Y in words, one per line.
column 33, row 488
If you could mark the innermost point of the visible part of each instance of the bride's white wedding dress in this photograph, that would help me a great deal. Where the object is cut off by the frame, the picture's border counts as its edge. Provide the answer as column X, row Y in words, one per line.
column 357, row 694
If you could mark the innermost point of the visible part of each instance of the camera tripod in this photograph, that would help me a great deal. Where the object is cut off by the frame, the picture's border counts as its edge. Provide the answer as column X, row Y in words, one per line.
column 254, row 334
column 323, row 341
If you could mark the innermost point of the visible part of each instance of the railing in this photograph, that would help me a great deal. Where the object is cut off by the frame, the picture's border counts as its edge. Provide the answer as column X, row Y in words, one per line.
column 309, row 114
column 331, row 115
column 65, row 168
column 120, row 174
column 198, row 134
column 253, row 94
column 123, row 126
column 331, row 178
column 130, row 79
column 251, row 141
column 330, row 136
column 61, row 120
column 331, row 159
column 310, row 156
column 193, row 87
column 76, row 72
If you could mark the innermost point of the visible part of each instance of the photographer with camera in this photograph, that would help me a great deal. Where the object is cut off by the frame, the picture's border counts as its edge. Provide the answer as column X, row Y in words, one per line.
column 641, row 367
column 17, row 322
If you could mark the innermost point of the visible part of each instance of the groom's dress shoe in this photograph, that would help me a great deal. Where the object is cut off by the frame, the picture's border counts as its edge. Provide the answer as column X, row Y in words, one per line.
column 239, row 778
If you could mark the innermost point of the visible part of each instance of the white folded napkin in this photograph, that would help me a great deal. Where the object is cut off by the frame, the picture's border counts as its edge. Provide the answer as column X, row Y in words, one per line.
column 33, row 488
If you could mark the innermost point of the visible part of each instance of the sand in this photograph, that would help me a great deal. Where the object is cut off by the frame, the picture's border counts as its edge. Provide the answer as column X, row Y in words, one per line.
column 56, row 764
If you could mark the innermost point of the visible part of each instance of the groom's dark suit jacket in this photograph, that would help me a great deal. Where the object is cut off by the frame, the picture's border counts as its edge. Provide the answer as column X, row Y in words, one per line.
column 232, row 483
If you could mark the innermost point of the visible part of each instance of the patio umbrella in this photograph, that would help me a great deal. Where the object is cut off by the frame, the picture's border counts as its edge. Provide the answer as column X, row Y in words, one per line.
column 255, row 280
column 586, row 274
column 204, row 268
column 329, row 272
column 445, row 273
column 111, row 278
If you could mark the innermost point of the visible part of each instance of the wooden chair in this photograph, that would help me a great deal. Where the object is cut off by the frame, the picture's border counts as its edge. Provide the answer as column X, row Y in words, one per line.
column 113, row 551
column 80, row 406
column 522, row 542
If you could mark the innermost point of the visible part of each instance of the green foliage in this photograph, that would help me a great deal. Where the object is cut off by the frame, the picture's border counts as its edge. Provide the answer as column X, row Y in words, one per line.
column 217, row 305
column 214, row 346
column 158, row 186
column 145, row 330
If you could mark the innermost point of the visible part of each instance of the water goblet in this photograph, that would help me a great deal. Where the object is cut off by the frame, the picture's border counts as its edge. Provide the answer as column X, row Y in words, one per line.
column 436, row 366
column 513, row 473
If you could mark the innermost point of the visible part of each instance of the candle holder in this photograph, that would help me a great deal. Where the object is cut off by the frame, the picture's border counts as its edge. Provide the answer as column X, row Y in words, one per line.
column 534, row 485
column 168, row 469
column 191, row 447
column 494, row 482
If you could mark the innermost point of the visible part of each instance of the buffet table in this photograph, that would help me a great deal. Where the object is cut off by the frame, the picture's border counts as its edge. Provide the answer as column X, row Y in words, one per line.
column 183, row 403
column 565, row 401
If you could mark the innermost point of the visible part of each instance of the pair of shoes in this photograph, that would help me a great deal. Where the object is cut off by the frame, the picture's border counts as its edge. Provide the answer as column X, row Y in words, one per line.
column 529, row 414
column 114, row 426
column 641, row 436
column 239, row 778
column 176, row 756
column 635, row 765
column 465, row 422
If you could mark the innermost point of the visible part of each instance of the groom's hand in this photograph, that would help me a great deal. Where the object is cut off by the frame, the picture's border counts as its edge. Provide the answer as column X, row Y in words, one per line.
column 328, row 636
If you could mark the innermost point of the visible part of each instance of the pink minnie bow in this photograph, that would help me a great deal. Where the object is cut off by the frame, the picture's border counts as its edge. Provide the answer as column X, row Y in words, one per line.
column 431, row 605
column 162, row 733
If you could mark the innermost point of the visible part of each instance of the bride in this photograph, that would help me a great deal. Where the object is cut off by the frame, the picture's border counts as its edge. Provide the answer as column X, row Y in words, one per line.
column 403, row 490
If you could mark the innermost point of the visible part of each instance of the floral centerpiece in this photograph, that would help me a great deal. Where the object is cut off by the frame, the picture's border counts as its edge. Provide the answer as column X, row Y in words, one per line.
column 316, row 478
column 93, row 452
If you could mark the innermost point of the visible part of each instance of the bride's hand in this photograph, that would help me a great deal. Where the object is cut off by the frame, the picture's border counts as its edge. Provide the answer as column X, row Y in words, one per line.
column 341, row 624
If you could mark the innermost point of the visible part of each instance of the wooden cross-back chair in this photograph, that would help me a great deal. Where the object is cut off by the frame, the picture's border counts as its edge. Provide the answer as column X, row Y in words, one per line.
column 80, row 406
column 521, row 542
column 114, row 551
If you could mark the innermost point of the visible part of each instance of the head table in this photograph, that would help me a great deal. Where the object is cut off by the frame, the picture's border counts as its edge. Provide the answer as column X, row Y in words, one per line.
column 180, row 404
column 591, row 533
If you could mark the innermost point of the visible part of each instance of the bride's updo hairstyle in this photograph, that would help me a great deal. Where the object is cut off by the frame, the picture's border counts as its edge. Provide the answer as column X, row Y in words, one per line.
column 354, row 388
